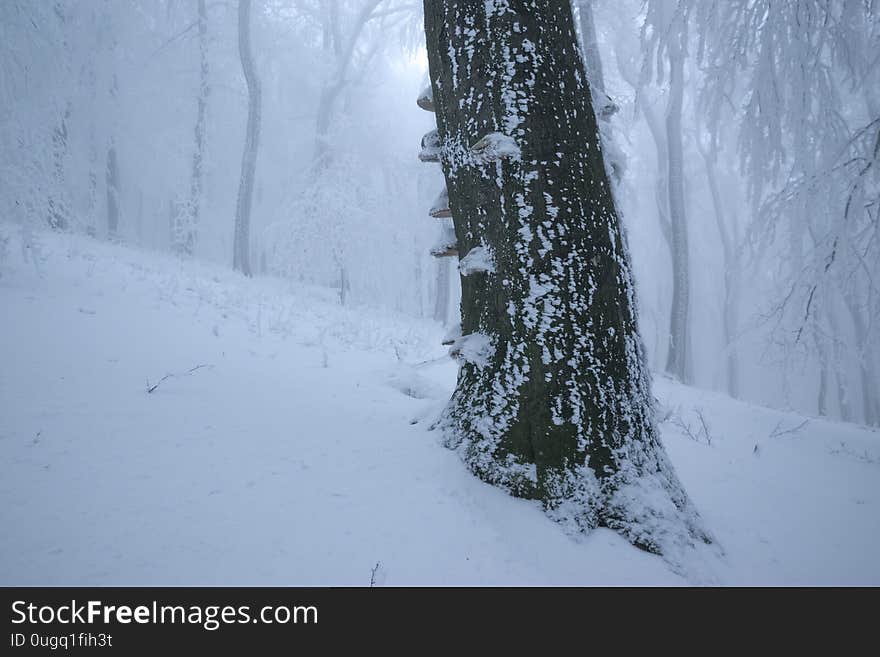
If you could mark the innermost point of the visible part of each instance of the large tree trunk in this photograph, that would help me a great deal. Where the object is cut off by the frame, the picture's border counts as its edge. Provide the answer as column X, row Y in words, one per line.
column 553, row 399
column 241, row 241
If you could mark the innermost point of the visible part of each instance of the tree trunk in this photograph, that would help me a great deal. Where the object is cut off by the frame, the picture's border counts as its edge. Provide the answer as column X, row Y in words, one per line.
column 112, row 183
column 553, row 399
column 592, row 58
column 59, row 211
column 730, row 247
column 867, row 373
column 441, row 301
column 92, row 202
column 603, row 107
column 677, row 359
column 188, row 232
column 241, row 241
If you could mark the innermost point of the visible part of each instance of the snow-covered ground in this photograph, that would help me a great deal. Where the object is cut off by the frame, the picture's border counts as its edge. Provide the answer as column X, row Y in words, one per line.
column 299, row 454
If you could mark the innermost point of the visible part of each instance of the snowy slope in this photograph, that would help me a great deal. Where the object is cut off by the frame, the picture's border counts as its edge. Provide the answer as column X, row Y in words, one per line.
column 300, row 453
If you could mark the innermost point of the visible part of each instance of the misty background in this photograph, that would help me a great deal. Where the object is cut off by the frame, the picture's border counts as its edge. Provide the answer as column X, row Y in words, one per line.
column 126, row 120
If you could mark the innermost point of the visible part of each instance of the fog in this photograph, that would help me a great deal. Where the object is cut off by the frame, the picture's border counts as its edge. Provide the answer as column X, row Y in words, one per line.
column 100, row 134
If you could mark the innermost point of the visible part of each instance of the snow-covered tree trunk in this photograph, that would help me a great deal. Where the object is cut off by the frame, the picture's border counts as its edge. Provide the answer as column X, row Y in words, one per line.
column 553, row 398
column 59, row 210
column 188, row 232
column 241, row 240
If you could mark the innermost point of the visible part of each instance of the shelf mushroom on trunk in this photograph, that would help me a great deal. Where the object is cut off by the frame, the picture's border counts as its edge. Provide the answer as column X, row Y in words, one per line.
column 426, row 99
column 431, row 150
column 440, row 208
column 430, row 147
column 447, row 246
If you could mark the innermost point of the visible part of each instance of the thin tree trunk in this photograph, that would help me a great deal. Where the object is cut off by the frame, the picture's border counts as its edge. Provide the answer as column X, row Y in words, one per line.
column 189, row 231
column 662, row 187
column 729, row 239
column 92, row 201
column 441, row 303
column 824, row 378
column 592, row 59
column 241, row 241
column 867, row 372
column 553, row 398
column 112, row 184
column 59, row 210
column 677, row 360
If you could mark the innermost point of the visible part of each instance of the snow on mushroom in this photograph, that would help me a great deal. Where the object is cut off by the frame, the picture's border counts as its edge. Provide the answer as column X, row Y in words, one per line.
column 493, row 147
column 478, row 260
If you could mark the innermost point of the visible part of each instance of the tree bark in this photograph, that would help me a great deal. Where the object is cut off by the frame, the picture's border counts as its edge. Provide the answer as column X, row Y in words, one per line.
column 553, row 399
column 241, row 241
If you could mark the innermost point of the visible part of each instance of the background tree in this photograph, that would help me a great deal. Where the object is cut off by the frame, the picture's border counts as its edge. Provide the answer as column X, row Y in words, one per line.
column 666, row 48
column 799, row 80
column 186, row 229
column 241, row 244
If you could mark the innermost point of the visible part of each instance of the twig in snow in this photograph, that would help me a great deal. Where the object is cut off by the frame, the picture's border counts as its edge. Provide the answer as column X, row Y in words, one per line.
column 442, row 359
column 705, row 426
column 776, row 432
column 170, row 375
column 700, row 436
column 373, row 574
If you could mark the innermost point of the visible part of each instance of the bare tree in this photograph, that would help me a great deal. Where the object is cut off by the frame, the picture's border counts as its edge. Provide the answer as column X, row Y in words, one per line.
column 666, row 44
column 59, row 207
column 187, row 228
column 241, row 243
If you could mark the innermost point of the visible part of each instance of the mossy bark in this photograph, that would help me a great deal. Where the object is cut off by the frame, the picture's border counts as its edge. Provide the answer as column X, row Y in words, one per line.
column 555, row 404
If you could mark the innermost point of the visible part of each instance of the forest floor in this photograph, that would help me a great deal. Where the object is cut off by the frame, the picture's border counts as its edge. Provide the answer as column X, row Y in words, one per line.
column 298, row 450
